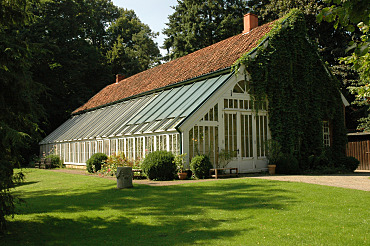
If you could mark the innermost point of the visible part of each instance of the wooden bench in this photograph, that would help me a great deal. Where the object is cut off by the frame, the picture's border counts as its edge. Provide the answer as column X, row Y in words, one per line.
column 137, row 171
column 44, row 163
column 214, row 172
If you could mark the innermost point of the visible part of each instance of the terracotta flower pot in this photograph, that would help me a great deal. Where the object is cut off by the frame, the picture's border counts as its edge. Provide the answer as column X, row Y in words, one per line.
column 272, row 169
column 182, row 176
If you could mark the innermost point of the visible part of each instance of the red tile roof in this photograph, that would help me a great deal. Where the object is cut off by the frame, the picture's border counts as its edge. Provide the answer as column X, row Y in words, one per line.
column 210, row 59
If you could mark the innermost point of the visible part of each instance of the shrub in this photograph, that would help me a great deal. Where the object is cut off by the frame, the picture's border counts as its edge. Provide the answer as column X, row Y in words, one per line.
column 322, row 162
column 94, row 163
column 200, row 166
column 179, row 162
column 273, row 151
column 109, row 166
column 159, row 165
column 287, row 164
column 349, row 163
column 55, row 161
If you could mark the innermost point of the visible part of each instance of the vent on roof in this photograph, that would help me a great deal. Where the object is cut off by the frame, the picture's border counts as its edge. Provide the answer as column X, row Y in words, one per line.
column 250, row 22
column 119, row 77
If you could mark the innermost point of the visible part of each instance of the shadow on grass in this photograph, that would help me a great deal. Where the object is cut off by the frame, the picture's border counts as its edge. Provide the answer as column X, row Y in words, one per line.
column 97, row 231
column 143, row 215
column 25, row 183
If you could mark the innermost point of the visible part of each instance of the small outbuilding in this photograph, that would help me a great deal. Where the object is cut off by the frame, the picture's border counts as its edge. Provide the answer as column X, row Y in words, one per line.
column 230, row 97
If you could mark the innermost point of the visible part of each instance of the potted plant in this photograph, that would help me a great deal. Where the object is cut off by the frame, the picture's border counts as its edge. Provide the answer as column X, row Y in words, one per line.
column 179, row 161
column 273, row 153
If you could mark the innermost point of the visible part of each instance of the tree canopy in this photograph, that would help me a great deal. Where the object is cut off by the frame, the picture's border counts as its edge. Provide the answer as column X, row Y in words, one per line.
column 354, row 15
column 81, row 45
column 196, row 24
column 132, row 48
column 20, row 110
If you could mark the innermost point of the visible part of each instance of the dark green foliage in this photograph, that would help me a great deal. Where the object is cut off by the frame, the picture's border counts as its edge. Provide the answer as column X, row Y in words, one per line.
column 349, row 163
column 273, row 151
column 79, row 47
column 200, row 166
column 20, row 110
column 328, row 163
column 300, row 90
column 159, row 165
column 94, row 163
column 55, row 161
column 332, row 42
column 287, row 164
column 131, row 45
column 322, row 161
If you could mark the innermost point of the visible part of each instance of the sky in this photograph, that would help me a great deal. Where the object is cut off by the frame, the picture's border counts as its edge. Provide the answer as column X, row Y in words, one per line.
column 151, row 12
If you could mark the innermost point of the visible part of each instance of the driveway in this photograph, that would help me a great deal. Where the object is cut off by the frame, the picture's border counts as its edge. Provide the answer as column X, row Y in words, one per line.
column 357, row 180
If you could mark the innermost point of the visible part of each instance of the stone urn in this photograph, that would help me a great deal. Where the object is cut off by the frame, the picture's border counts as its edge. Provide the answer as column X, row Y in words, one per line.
column 271, row 169
column 183, row 175
column 124, row 177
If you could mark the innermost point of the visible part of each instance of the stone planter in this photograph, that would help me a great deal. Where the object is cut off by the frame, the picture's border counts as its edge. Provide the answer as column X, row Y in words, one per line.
column 272, row 169
column 182, row 176
column 124, row 177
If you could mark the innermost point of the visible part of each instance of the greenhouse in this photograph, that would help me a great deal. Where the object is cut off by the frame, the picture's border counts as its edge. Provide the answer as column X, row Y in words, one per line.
column 159, row 121
column 203, row 103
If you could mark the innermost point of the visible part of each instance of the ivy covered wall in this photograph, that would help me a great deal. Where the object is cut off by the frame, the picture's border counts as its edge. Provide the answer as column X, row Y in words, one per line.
column 300, row 90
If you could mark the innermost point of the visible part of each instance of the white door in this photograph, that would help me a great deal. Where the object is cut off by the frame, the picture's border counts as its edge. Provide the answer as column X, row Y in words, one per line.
column 245, row 135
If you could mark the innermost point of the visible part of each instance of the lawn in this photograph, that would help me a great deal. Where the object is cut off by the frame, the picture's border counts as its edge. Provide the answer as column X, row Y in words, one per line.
column 71, row 209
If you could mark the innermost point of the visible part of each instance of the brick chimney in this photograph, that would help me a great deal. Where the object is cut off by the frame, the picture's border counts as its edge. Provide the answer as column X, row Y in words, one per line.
column 119, row 77
column 250, row 22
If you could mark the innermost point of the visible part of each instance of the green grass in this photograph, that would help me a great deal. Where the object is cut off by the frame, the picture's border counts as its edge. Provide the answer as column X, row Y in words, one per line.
column 69, row 209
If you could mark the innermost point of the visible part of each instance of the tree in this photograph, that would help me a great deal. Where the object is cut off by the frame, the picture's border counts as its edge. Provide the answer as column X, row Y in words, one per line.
column 197, row 24
column 70, row 41
column 352, row 15
column 132, row 48
column 20, row 111
column 81, row 45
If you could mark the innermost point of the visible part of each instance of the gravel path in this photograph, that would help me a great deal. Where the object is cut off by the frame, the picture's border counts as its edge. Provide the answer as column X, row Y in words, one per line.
column 358, row 180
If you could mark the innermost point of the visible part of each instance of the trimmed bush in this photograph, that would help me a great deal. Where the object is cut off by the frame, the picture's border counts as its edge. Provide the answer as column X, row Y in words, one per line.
column 287, row 164
column 349, row 163
column 159, row 165
column 94, row 163
column 200, row 166
column 55, row 161
column 324, row 161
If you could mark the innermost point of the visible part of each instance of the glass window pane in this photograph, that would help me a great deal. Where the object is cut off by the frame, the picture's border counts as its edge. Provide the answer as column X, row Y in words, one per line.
column 191, row 144
column 206, row 140
column 235, row 135
column 237, row 88
column 226, row 123
column 216, row 112
column 201, row 140
column 216, row 145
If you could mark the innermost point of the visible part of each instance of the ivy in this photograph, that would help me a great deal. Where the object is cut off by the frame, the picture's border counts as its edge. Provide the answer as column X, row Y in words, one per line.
column 299, row 88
